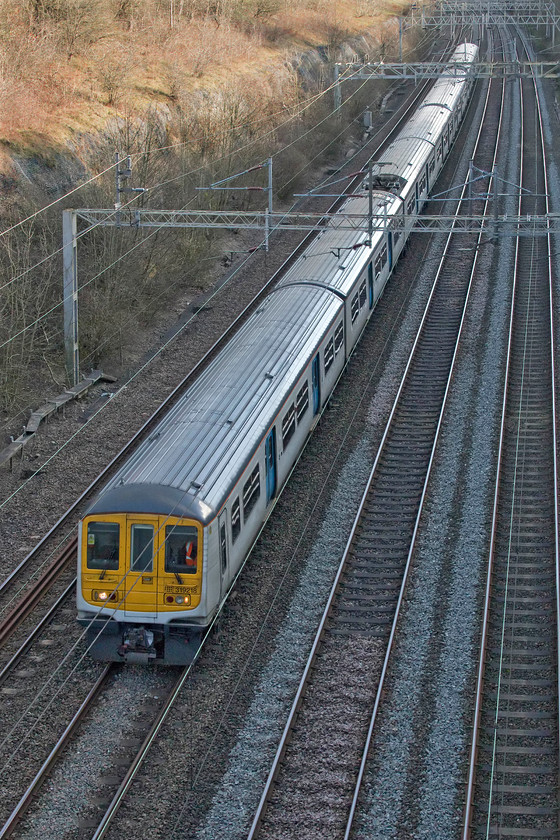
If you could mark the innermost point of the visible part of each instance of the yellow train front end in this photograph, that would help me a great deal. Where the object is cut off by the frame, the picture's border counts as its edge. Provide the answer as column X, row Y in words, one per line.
column 140, row 585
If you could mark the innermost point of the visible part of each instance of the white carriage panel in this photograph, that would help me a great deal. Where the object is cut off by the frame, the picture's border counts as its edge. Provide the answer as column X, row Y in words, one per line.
column 204, row 443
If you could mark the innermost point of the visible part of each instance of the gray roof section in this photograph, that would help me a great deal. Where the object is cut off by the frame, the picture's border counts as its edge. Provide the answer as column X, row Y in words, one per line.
column 332, row 259
column 202, row 446
column 407, row 154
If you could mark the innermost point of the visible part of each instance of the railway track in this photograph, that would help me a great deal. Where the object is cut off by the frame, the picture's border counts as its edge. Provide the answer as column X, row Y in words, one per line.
column 326, row 741
column 42, row 774
column 512, row 787
column 148, row 720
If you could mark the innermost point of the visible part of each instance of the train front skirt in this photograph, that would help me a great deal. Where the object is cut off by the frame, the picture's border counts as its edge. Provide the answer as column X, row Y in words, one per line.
column 112, row 641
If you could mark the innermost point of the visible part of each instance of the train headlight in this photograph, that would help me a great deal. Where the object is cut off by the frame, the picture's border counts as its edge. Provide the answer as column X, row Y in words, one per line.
column 99, row 596
column 183, row 599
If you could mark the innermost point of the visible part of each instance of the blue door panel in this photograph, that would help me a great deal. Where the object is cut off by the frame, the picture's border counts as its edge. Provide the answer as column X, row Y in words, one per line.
column 316, row 382
column 270, row 465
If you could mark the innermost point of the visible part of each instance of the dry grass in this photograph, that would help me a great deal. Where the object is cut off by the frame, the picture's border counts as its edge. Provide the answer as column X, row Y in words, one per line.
column 65, row 68
column 193, row 103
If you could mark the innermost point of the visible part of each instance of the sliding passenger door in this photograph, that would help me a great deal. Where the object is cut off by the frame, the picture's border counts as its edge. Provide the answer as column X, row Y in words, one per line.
column 270, row 465
column 316, row 384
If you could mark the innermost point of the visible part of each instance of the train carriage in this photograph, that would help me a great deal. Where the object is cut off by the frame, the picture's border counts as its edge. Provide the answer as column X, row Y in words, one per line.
column 161, row 545
column 164, row 540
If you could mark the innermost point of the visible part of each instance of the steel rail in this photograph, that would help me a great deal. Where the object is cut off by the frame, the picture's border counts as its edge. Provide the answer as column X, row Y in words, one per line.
column 11, row 664
column 493, row 530
column 41, row 775
column 31, row 598
column 275, row 767
column 386, row 662
column 473, row 757
column 123, row 788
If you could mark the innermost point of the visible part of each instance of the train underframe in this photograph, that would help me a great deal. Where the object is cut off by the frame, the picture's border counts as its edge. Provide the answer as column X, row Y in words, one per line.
column 169, row 644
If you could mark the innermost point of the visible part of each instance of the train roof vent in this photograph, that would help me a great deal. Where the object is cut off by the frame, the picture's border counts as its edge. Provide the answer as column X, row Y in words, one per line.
column 194, row 487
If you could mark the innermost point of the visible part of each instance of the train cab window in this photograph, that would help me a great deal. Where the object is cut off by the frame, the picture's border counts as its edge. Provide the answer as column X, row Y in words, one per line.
column 142, row 548
column 235, row 520
column 329, row 355
column 355, row 308
column 181, row 549
column 363, row 294
column 251, row 492
column 288, row 425
column 338, row 337
column 103, row 545
column 302, row 401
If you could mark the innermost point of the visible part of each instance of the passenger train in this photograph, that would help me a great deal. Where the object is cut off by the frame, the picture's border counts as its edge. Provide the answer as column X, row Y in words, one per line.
column 162, row 543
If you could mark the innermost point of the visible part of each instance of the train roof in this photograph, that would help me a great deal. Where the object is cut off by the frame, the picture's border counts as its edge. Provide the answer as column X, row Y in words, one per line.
column 407, row 154
column 464, row 53
column 337, row 255
column 192, row 460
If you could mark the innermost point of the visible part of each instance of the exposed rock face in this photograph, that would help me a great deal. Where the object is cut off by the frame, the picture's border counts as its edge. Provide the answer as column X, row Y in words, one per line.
column 57, row 171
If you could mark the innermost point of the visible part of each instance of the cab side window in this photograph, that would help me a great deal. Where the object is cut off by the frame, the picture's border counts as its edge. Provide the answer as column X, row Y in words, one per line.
column 235, row 520
column 181, row 549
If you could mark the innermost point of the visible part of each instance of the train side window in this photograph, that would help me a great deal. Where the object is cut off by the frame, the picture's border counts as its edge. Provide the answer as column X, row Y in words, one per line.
column 235, row 520
column 410, row 206
column 302, row 401
column 432, row 164
column 355, row 308
column 339, row 337
column 251, row 492
column 181, row 549
column 380, row 261
column 103, row 545
column 142, row 548
column 288, row 425
column 363, row 294
column 329, row 355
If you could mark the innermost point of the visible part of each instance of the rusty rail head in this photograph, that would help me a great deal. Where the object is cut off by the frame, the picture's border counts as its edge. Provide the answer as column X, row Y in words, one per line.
column 30, row 599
